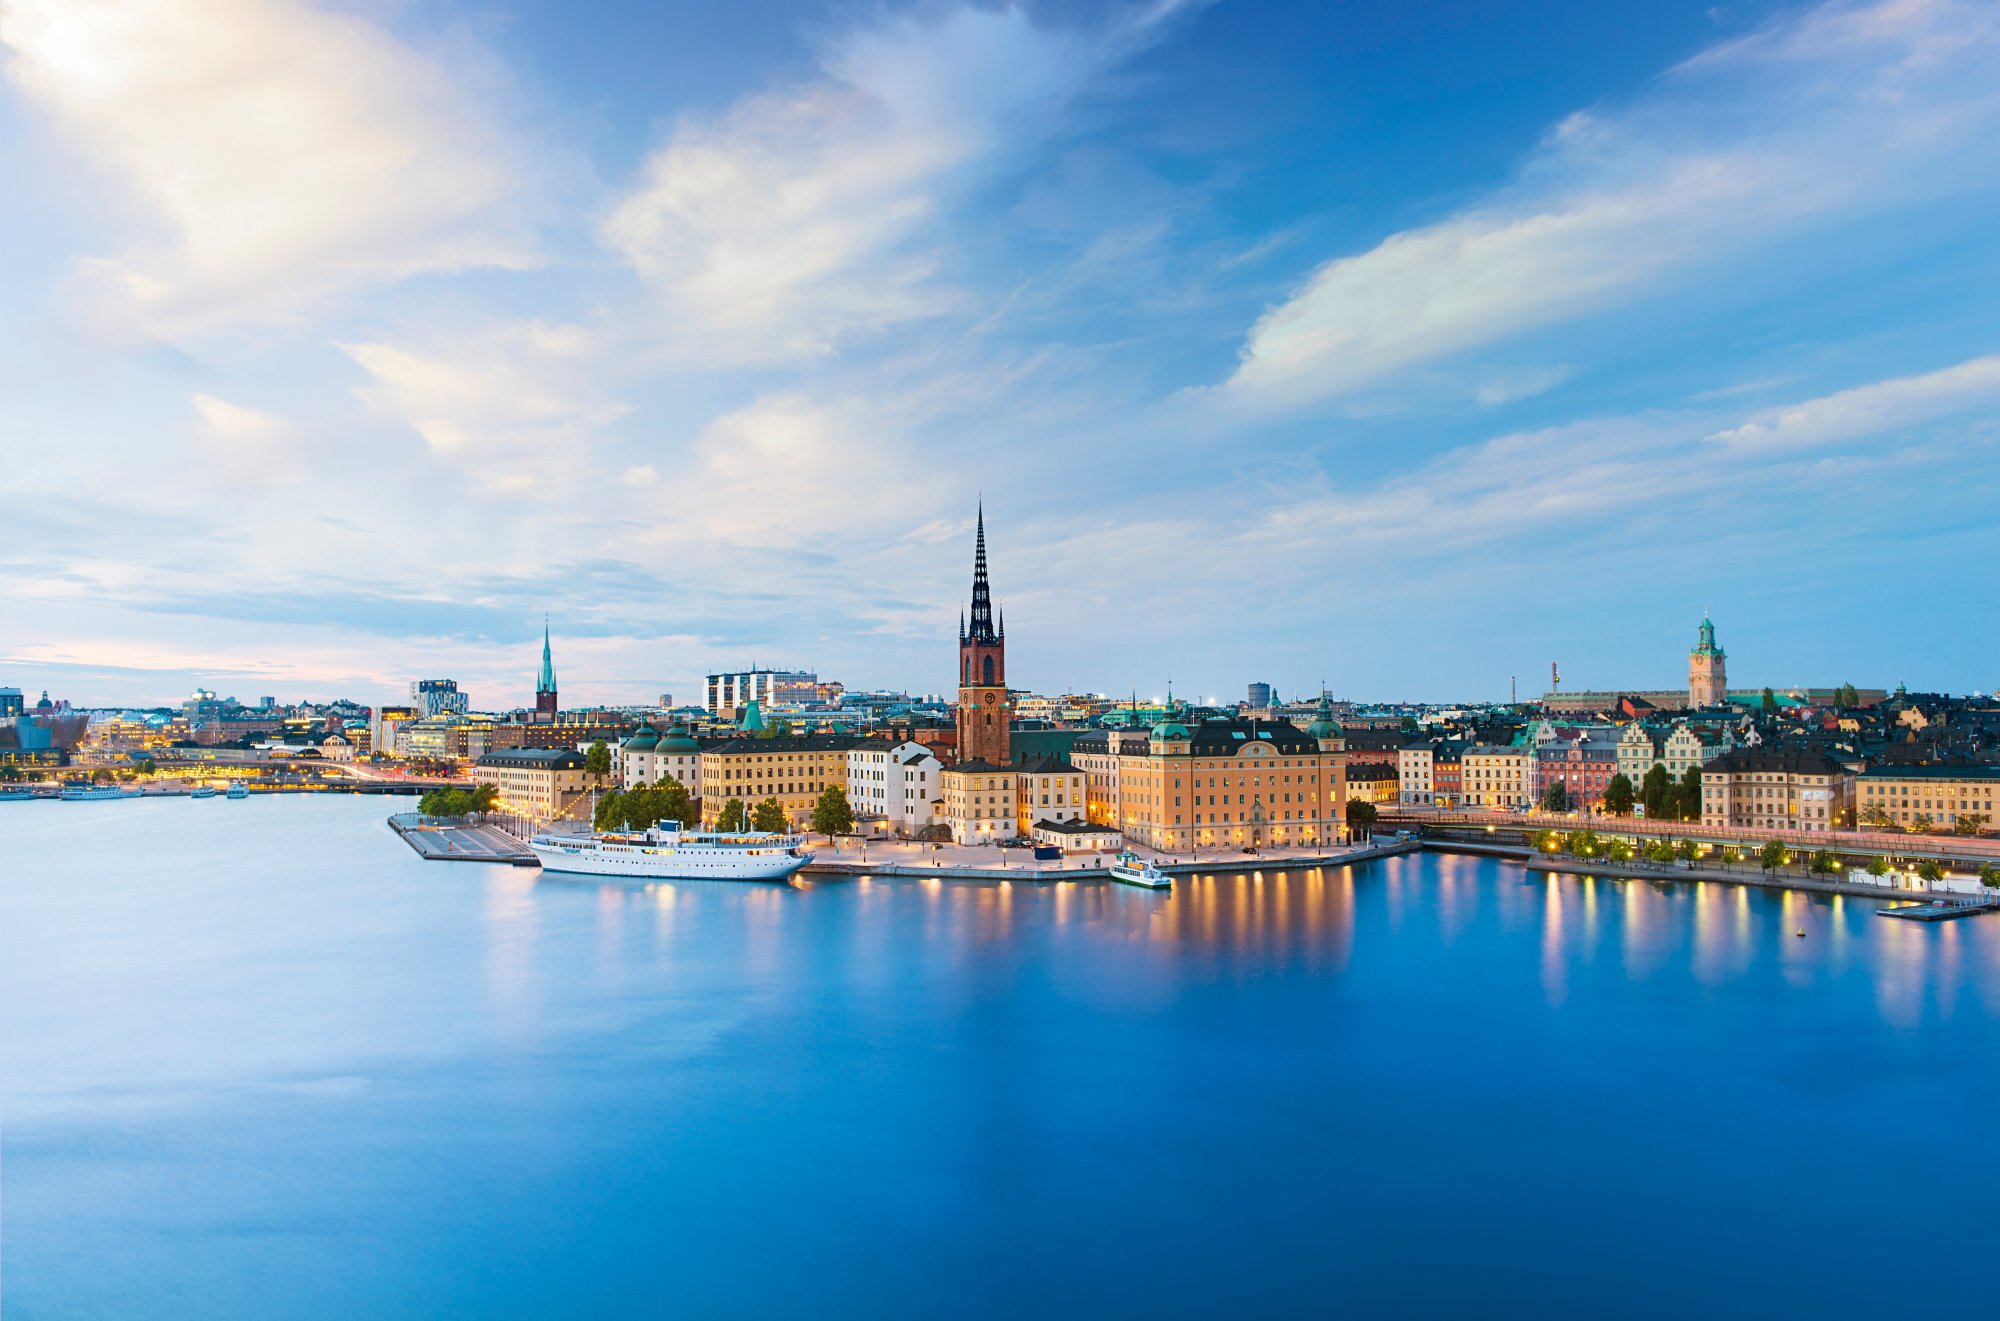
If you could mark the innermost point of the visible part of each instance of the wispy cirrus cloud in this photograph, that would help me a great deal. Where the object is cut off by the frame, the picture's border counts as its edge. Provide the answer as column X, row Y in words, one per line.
column 1842, row 111
column 272, row 153
column 1869, row 410
column 808, row 213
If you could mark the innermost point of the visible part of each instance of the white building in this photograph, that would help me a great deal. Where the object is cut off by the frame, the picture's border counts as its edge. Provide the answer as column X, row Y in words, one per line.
column 1413, row 770
column 894, row 788
column 732, row 692
column 652, row 758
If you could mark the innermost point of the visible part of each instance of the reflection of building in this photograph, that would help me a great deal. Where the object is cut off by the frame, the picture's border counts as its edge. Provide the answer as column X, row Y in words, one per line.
column 1708, row 683
column 1776, row 790
column 985, row 708
column 537, row 782
column 437, row 697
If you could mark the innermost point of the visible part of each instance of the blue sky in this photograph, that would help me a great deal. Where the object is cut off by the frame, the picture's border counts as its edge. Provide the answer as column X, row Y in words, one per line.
column 1404, row 347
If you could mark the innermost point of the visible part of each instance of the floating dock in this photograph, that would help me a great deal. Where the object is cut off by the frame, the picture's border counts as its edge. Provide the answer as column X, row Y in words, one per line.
column 1941, row 910
column 437, row 841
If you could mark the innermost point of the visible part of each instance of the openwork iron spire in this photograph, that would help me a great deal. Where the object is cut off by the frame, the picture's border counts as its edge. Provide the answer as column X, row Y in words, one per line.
column 982, row 591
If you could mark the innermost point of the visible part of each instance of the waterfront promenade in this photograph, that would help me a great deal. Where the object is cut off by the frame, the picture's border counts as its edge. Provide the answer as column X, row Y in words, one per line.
column 882, row 858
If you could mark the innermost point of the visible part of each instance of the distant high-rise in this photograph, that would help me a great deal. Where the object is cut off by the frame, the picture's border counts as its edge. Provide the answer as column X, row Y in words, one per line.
column 1708, row 679
column 1261, row 697
column 439, row 697
column 545, row 684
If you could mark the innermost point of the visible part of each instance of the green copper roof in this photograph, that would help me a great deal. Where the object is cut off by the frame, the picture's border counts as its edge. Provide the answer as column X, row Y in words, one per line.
column 547, row 682
column 753, row 718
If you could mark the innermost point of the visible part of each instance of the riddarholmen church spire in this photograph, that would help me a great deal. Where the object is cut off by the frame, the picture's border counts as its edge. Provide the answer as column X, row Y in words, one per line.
column 982, row 591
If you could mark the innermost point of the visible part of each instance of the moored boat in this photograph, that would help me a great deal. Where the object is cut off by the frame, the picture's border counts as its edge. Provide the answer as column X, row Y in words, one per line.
column 1134, row 870
column 16, row 793
column 666, row 852
column 203, row 791
column 94, row 793
column 238, row 790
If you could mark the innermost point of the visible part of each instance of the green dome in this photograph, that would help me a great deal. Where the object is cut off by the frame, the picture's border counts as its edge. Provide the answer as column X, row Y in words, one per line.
column 643, row 741
column 1323, row 724
column 676, row 740
column 1171, row 731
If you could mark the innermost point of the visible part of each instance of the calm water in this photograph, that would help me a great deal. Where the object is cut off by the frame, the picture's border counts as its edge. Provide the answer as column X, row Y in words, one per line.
column 260, row 1061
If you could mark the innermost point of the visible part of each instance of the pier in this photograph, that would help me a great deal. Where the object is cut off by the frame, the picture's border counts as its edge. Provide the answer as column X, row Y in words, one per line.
column 437, row 840
column 1941, row 910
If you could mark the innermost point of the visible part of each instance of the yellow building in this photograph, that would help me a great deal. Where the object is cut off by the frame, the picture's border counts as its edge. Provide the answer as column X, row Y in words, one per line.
column 981, row 803
column 794, row 769
column 541, row 783
column 1242, row 783
column 1496, row 776
column 1928, row 797
column 1048, row 789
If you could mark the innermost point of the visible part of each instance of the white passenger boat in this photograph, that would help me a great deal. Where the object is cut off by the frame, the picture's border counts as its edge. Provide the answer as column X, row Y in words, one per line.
column 1134, row 870
column 15, row 793
column 94, row 793
column 203, row 791
column 666, row 852
column 238, row 790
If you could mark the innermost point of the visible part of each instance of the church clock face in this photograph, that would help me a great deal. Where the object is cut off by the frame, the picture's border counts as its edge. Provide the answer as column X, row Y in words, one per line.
column 991, row 698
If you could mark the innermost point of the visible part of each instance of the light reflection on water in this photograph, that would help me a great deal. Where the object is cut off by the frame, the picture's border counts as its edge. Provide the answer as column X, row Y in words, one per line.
column 281, row 1067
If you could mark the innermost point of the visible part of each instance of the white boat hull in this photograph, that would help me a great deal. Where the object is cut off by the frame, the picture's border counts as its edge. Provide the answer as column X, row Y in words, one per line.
column 665, row 862
column 96, row 795
column 1151, row 880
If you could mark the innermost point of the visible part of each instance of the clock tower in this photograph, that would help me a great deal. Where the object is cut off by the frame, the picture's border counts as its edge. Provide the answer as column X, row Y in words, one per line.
column 984, row 711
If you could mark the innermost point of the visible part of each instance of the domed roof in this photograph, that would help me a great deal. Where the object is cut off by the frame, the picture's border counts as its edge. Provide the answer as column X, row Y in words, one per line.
column 646, row 740
column 1323, row 724
column 676, row 740
column 1171, row 731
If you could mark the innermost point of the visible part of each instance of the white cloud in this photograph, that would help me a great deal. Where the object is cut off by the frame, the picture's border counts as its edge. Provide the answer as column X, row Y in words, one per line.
column 513, row 404
column 805, row 214
column 1870, row 409
column 280, row 152
column 236, row 425
column 1842, row 111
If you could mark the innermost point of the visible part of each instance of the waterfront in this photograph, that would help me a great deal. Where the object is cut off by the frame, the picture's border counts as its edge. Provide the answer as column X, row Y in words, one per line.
column 261, row 1060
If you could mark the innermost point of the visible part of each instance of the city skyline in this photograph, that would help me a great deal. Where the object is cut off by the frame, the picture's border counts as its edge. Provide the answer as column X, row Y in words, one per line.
column 1407, row 353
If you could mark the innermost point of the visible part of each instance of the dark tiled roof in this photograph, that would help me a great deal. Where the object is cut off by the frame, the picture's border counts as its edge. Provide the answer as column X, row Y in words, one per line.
column 1916, row 772
column 1226, row 738
column 1048, row 766
column 535, row 759
column 983, row 768
column 1075, row 828
column 787, row 743
column 1783, row 761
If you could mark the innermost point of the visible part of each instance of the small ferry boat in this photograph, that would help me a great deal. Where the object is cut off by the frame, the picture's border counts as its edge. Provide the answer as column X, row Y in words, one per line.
column 238, row 790
column 666, row 852
column 93, row 793
column 16, row 793
column 1134, row 870
column 203, row 791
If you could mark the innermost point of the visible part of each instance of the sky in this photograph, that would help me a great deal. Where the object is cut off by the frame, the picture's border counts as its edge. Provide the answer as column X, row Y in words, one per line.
column 1404, row 349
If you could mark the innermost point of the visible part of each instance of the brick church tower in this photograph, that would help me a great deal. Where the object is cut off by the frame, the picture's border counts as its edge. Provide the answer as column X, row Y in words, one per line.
column 984, row 710
column 1708, row 677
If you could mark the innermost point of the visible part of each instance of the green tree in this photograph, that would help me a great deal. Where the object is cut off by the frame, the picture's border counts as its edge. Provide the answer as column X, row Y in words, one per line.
column 1848, row 696
column 1618, row 850
column 833, row 814
column 1822, row 863
column 1618, row 797
column 1584, row 844
column 597, row 762
column 609, row 813
column 1877, row 819
column 1878, row 867
column 1768, row 700
column 1660, row 850
column 769, row 815
column 1989, row 876
column 147, row 766
column 734, row 816
column 1773, row 856
column 1687, row 795
column 1555, row 798
column 1732, row 855
column 1929, row 870
column 1547, row 841
column 1971, row 823
column 1656, row 791
column 1684, row 850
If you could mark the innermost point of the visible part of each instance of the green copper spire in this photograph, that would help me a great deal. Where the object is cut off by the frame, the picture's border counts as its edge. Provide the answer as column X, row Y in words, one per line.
column 547, row 682
column 753, row 718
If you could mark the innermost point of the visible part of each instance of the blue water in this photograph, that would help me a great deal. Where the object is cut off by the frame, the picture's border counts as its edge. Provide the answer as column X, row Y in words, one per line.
column 260, row 1061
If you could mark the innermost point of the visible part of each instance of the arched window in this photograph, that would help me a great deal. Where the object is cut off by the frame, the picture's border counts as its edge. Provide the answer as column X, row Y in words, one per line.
column 989, row 669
